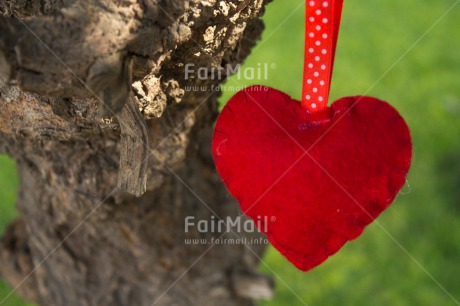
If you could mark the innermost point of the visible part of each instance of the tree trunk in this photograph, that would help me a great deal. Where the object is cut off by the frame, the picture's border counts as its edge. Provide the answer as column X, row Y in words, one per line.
column 79, row 239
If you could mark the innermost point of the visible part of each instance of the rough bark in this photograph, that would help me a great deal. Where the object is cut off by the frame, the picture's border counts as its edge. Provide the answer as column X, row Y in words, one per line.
column 80, row 240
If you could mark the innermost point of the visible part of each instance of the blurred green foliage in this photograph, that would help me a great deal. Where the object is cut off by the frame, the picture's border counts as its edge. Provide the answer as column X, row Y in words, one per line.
column 405, row 52
column 8, row 187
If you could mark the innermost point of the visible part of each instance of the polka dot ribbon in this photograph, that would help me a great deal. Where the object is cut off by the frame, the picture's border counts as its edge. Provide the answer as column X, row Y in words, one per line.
column 322, row 29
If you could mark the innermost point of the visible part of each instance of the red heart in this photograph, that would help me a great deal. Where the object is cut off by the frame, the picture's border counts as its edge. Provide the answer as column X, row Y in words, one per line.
column 318, row 181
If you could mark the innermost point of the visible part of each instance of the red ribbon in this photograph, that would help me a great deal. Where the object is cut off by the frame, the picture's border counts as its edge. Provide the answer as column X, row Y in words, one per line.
column 322, row 30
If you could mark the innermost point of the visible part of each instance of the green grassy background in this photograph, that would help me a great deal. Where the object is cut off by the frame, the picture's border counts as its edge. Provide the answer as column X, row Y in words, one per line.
column 401, row 52
column 405, row 53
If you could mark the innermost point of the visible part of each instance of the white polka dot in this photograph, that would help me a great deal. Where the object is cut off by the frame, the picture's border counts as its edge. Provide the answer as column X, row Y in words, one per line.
column 316, row 74
column 312, row 19
column 318, row 27
column 317, row 58
column 310, row 65
column 312, row 3
column 311, row 34
column 308, row 97
column 309, row 81
column 324, row 51
column 324, row 35
column 321, row 83
column 317, row 43
column 323, row 67
column 325, row 20
column 311, row 50
column 318, row 12
column 313, row 105
column 325, row 4
column 320, row 99
column 315, row 89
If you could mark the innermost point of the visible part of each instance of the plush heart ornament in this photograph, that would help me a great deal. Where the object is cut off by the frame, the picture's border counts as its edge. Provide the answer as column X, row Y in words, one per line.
column 312, row 176
column 317, row 183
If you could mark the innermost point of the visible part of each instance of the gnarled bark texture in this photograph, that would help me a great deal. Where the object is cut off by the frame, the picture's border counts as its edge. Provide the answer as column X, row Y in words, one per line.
column 80, row 240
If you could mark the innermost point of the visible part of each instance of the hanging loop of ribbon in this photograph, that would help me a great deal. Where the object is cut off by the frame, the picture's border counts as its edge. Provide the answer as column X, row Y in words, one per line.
column 322, row 20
